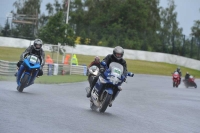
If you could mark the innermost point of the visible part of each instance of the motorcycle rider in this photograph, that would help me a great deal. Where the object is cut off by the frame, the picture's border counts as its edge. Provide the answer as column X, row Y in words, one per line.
column 96, row 62
column 36, row 49
column 180, row 73
column 187, row 76
column 116, row 56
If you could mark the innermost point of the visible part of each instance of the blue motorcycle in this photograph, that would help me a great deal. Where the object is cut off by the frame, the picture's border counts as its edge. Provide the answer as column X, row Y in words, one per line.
column 27, row 72
column 107, row 86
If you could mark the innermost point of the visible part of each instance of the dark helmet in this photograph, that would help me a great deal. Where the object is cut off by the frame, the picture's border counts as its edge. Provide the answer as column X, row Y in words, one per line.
column 37, row 44
column 118, row 52
column 97, row 59
column 178, row 69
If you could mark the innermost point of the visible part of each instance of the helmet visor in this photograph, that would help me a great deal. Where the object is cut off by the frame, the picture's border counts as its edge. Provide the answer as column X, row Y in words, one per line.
column 118, row 55
column 38, row 46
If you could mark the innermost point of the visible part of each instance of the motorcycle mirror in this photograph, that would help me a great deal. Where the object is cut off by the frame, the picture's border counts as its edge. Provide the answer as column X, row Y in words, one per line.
column 103, row 63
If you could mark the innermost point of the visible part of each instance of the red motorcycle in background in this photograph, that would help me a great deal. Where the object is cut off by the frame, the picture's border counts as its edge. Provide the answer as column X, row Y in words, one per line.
column 190, row 82
column 176, row 79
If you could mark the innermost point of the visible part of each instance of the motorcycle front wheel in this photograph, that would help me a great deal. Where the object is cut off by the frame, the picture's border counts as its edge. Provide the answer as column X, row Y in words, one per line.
column 173, row 84
column 105, row 102
column 23, row 82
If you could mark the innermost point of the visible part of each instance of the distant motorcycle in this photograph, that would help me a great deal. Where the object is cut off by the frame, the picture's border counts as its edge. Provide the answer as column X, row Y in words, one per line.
column 93, row 71
column 27, row 72
column 107, row 87
column 176, row 79
column 190, row 82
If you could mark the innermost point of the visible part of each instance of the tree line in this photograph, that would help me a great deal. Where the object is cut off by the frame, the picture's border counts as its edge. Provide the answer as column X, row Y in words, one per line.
column 132, row 24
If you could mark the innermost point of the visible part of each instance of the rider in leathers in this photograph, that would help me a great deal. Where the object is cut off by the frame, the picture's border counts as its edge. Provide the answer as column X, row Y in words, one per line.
column 117, row 55
column 180, row 73
column 36, row 49
column 96, row 62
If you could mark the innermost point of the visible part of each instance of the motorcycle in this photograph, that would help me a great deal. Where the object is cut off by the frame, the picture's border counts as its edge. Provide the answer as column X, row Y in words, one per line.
column 93, row 71
column 107, row 86
column 176, row 79
column 190, row 82
column 27, row 72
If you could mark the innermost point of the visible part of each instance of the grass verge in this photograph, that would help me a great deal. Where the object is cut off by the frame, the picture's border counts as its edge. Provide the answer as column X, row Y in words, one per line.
column 51, row 79
column 135, row 66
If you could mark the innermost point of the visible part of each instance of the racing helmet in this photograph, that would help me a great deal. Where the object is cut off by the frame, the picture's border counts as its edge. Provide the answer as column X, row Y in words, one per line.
column 37, row 44
column 118, row 52
column 97, row 59
column 178, row 69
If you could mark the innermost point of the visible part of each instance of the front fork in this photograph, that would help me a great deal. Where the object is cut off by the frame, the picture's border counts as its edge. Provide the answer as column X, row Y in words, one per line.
column 19, row 73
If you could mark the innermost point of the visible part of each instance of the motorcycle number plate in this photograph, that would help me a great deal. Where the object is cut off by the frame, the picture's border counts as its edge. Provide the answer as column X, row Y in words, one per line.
column 117, row 71
column 33, row 59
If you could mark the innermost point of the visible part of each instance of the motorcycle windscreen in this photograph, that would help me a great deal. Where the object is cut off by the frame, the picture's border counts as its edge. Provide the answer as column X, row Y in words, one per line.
column 116, row 70
column 33, row 59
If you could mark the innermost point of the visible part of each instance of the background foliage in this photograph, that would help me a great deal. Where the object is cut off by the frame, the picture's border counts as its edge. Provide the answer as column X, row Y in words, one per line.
column 133, row 24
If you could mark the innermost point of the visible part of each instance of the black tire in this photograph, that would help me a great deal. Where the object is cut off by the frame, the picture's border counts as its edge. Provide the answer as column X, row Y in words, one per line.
column 23, row 84
column 195, row 85
column 105, row 102
column 176, row 84
column 173, row 84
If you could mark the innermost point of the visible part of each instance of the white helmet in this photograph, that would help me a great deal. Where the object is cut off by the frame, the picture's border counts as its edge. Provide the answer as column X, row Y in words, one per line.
column 118, row 52
column 37, row 44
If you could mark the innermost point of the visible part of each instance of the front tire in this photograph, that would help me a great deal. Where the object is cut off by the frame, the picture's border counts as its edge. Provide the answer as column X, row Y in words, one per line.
column 195, row 85
column 105, row 102
column 23, row 84
column 176, row 84
column 173, row 84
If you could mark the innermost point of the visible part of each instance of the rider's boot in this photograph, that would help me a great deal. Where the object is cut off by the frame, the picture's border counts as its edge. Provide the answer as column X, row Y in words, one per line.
column 16, row 72
column 89, row 93
column 110, row 104
column 120, row 89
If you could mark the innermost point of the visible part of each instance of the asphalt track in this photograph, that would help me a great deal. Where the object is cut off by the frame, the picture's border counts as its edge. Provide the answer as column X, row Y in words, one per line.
column 147, row 104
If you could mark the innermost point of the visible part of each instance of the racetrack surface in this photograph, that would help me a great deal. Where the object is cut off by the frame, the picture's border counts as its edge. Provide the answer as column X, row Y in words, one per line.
column 147, row 104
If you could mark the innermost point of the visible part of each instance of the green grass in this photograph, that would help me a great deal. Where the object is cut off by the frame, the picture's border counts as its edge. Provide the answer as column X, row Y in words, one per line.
column 51, row 79
column 135, row 66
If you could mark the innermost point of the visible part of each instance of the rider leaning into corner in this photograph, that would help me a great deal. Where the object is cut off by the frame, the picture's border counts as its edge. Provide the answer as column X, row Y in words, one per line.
column 187, row 76
column 116, row 56
column 179, row 72
column 36, row 49
column 96, row 62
